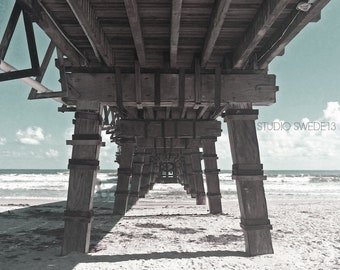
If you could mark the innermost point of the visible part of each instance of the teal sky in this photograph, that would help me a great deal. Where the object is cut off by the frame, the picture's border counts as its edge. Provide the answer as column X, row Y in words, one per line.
column 33, row 133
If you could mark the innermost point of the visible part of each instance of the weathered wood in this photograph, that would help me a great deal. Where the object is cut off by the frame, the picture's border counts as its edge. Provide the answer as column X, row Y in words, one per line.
column 246, row 158
column 176, row 11
column 207, row 29
column 197, row 84
column 268, row 13
column 123, row 181
column 47, row 58
column 145, row 180
column 169, row 128
column 18, row 74
column 131, row 7
column 137, row 170
column 189, row 173
column 288, row 30
column 53, row 30
column 211, row 174
column 259, row 89
column 84, row 13
column 216, row 22
column 138, row 86
column 82, row 180
column 196, row 156
column 10, row 28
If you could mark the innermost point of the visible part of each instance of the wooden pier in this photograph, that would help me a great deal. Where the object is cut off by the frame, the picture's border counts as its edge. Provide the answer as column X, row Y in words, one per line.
column 159, row 76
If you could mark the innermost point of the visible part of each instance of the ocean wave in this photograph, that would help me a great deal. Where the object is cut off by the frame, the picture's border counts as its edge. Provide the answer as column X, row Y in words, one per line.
column 330, row 179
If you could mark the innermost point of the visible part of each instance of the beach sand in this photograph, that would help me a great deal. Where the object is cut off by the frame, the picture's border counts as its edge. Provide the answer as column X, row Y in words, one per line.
column 168, row 231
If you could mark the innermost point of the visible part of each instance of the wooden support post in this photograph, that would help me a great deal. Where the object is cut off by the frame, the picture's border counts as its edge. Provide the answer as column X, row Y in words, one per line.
column 182, row 174
column 152, row 172
column 145, row 182
column 124, row 174
column 211, row 174
column 190, row 176
column 83, row 172
column 247, row 171
column 197, row 171
column 137, row 169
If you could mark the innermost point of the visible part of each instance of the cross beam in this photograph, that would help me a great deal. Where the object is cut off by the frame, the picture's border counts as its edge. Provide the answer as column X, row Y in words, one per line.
column 165, row 89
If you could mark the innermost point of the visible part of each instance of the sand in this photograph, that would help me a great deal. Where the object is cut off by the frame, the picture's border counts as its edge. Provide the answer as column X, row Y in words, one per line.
column 168, row 231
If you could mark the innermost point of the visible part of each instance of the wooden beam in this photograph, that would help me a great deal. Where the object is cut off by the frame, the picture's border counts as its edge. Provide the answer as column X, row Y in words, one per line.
column 259, row 89
column 296, row 22
column 32, row 46
column 7, row 37
column 136, row 29
column 46, row 22
column 216, row 23
column 176, row 11
column 169, row 128
column 43, row 68
column 85, row 15
column 268, row 13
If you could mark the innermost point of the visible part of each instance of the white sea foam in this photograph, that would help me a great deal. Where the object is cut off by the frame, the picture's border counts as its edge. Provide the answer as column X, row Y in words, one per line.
column 47, row 184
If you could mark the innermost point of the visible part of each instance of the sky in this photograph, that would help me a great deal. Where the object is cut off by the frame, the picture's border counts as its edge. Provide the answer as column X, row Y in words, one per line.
column 301, row 131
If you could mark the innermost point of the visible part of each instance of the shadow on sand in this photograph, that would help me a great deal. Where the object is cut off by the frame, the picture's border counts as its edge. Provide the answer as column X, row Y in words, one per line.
column 34, row 234
column 40, row 228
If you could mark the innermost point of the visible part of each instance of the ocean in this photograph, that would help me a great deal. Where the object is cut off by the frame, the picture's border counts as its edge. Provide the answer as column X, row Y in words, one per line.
column 53, row 184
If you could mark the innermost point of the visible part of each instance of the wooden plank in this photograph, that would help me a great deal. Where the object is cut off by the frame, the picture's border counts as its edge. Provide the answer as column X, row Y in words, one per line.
column 86, row 17
column 259, row 89
column 10, row 28
column 216, row 22
column 176, row 12
column 296, row 22
column 268, row 13
column 53, row 30
column 131, row 7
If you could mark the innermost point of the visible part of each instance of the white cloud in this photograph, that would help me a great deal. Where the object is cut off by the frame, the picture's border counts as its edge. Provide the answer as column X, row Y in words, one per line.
column 3, row 141
column 31, row 136
column 311, row 144
column 332, row 112
column 52, row 153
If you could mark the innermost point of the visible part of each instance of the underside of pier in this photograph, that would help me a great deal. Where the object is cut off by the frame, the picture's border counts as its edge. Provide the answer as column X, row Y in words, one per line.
column 159, row 76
